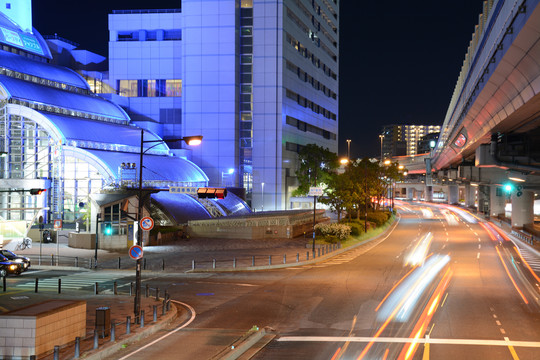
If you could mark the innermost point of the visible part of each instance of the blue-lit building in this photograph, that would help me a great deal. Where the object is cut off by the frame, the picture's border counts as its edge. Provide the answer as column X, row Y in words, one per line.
column 58, row 135
column 258, row 79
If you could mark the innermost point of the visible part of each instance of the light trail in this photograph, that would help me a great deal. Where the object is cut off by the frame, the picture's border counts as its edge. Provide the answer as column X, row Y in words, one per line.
column 527, row 264
column 394, row 287
column 510, row 276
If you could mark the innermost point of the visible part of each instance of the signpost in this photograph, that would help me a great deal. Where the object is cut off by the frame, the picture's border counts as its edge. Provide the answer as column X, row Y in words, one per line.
column 136, row 252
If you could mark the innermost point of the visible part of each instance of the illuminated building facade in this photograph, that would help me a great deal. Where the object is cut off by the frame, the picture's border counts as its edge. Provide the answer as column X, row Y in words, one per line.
column 401, row 140
column 258, row 79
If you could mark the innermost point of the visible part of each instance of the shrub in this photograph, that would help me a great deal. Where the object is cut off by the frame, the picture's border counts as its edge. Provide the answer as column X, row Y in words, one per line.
column 340, row 231
column 379, row 217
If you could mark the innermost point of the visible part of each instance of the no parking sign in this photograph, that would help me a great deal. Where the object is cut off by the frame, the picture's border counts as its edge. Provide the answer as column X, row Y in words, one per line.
column 147, row 223
column 136, row 252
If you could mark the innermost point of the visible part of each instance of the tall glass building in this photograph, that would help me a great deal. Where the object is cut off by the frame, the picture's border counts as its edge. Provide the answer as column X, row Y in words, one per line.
column 257, row 78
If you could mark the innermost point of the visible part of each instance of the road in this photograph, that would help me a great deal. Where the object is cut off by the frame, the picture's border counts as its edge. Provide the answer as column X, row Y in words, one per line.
column 441, row 285
column 462, row 292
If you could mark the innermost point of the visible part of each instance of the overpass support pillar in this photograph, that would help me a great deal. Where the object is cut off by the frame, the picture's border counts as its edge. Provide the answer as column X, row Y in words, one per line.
column 522, row 209
column 410, row 193
column 483, row 199
column 453, row 194
column 497, row 201
column 470, row 194
column 429, row 193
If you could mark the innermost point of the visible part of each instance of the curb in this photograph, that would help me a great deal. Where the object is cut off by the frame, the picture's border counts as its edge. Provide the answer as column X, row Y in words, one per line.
column 109, row 350
column 237, row 349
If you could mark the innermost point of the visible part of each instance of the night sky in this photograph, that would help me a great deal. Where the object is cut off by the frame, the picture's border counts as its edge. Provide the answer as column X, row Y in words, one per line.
column 399, row 60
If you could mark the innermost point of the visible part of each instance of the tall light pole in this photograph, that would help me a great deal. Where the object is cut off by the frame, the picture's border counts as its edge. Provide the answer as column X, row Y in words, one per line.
column 262, row 196
column 348, row 149
column 190, row 140
column 381, row 136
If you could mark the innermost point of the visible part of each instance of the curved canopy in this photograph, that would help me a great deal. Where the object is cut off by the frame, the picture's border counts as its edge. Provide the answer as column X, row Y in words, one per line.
column 93, row 104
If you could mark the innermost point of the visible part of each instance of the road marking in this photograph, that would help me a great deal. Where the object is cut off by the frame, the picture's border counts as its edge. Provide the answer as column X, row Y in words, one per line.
column 502, row 331
column 511, row 348
column 479, row 246
column 193, row 314
column 498, row 322
column 478, row 255
column 484, row 342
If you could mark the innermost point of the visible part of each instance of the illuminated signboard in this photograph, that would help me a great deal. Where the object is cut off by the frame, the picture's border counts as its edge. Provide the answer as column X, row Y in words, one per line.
column 26, row 42
column 460, row 141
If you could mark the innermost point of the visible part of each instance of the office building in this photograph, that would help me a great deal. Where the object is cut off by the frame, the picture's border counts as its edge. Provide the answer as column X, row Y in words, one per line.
column 402, row 140
column 258, row 79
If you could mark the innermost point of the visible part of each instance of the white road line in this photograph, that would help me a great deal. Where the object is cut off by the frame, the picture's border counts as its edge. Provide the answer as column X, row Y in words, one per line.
column 532, row 344
column 479, row 246
column 193, row 314
column 478, row 256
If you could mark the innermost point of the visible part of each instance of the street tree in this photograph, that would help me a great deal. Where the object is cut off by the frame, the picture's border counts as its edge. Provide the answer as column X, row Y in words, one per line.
column 317, row 164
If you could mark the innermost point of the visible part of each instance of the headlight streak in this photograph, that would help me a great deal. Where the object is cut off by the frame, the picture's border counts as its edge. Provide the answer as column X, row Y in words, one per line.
column 394, row 287
column 510, row 276
column 424, row 320
column 489, row 230
column 436, row 262
column 464, row 214
column 418, row 254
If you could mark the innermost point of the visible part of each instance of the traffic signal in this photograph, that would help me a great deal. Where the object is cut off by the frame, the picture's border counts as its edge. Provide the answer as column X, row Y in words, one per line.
column 37, row 191
column 211, row 193
column 108, row 229
column 508, row 188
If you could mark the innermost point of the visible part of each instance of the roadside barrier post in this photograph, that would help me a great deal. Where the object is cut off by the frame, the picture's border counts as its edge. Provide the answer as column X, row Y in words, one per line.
column 163, row 264
column 142, row 319
column 52, row 259
column 113, row 331
column 146, row 291
column 131, row 288
column 163, row 307
column 307, row 255
column 213, row 263
column 297, row 257
column 144, row 263
column 77, row 347
column 253, row 261
column 76, row 261
column 154, row 309
column 157, row 294
column 192, row 264
column 59, row 285
column 56, row 352
column 284, row 258
column 234, row 262
column 119, row 262
column 115, row 288
column 4, row 283
column 128, row 325
column 96, row 339
column 269, row 259
column 36, row 288
column 96, row 289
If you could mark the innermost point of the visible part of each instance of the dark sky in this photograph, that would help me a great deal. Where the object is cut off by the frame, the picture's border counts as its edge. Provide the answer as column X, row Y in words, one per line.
column 399, row 60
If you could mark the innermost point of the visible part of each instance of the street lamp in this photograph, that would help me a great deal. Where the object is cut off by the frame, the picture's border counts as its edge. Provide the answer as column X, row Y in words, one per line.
column 190, row 140
column 348, row 149
column 381, row 136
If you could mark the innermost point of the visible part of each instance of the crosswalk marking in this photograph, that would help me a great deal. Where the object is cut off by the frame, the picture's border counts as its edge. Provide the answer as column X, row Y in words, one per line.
column 532, row 259
column 72, row 282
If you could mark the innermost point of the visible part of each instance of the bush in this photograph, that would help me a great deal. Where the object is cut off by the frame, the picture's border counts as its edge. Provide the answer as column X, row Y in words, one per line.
column 340, row 231
column 379, row 217
column 357, row 227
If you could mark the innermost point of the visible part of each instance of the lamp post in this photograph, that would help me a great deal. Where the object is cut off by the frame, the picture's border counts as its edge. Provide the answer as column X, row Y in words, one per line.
column 348, row 149
column 190, row 140
column 381, row 136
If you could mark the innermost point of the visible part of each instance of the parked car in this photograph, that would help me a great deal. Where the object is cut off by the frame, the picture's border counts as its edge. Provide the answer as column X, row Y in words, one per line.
column 16, row 258
column 9, row 267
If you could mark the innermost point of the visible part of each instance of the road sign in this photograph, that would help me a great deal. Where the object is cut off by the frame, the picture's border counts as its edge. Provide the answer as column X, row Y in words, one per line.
column 136, row 252
column 315, row 191
column 57, row 224
column 147, row 223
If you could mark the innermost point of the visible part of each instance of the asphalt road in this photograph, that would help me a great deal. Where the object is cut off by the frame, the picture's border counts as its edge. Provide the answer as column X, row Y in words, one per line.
column 438, row 287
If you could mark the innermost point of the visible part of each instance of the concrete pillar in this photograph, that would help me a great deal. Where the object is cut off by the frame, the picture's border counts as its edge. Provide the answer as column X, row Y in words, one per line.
column 410, row 193
column 483, row 198
column 429, row 193
column 453, row 192
column 522, row 208
column 497, row 200
column 470, row 195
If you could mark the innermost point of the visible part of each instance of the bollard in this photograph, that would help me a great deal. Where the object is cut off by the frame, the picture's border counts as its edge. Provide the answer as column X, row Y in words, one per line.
column 113, row 328
column 128, row 325
column 56, row 352
column 115, row 288
column 168, row 304
column 131, row 288
column 213, row 263
column 284, row 258
column 297, row 257
column 119, row 264
column 96, row 289
column 307, row 255
column 146, row 291
column 91, row 263
column 37, row 282
column 33, row 357
column 76, row 261
column 144, row 263
column 234, row 263
column 96, row 339
column 155, row 312
column 157, row 294
column 269, row 259
column 52, row 259
column 4, row 283
column 253, row 261
column 142, row 319
column 59, row 285
column 77, row 347
column 163, row 264
column 192, row 264
column 163, row 307
column 318, row 252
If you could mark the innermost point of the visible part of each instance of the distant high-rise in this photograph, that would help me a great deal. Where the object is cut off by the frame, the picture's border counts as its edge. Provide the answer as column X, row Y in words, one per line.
column 258, row 79
column 401, row 140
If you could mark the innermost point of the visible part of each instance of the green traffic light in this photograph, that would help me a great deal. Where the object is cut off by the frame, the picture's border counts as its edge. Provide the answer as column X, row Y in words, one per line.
column 508, row 188
column 108, row 229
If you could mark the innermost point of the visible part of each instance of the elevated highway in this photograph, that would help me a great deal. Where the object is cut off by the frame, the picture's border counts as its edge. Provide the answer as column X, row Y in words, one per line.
column 491, row 133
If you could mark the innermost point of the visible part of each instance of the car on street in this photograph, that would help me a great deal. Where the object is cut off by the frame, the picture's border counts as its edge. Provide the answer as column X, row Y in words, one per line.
column 16, row 258
column 9, row 267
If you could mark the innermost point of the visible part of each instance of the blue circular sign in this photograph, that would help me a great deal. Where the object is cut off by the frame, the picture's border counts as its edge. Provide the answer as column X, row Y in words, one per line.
column 136, row 252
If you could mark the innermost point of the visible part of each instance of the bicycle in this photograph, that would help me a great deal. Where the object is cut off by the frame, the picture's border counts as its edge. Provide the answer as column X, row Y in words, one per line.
column 26, row 243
